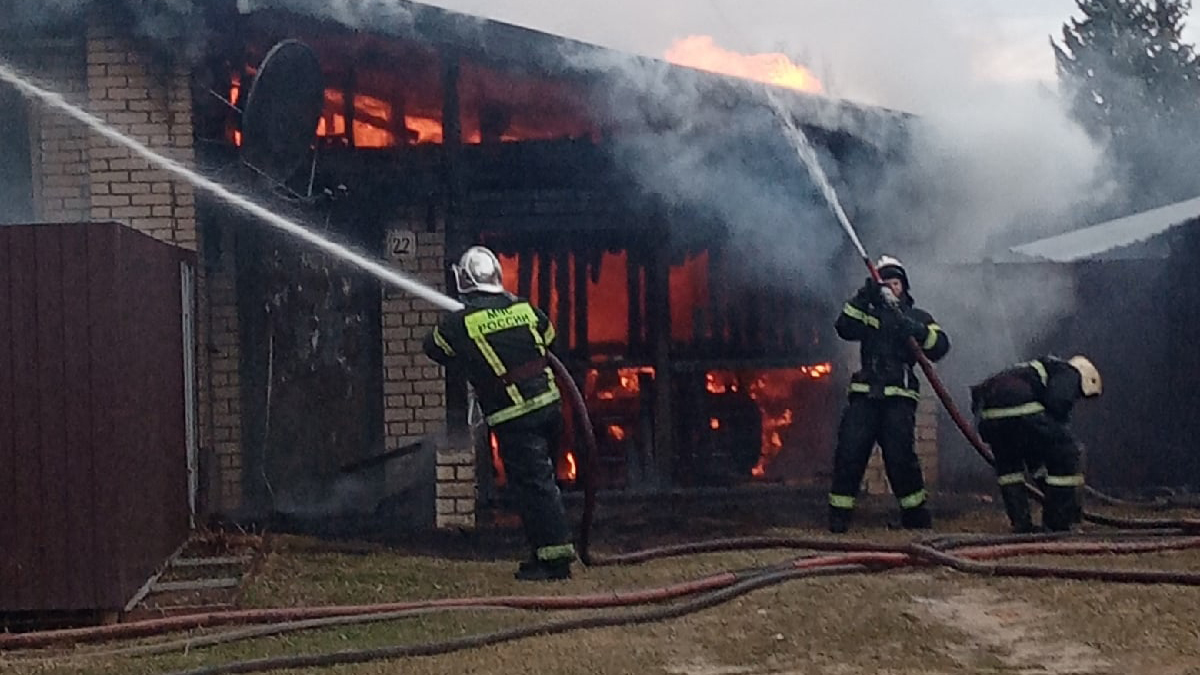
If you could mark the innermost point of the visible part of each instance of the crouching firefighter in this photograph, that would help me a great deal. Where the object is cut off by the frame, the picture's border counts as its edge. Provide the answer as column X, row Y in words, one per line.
column 501, row 341
column 1023, row 413
column 883, row 395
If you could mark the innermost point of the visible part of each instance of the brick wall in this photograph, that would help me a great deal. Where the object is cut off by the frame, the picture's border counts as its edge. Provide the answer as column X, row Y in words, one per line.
column 414, row 387
column 149, row 101
column 457, row 488
column 60, row 144
column 218, row 380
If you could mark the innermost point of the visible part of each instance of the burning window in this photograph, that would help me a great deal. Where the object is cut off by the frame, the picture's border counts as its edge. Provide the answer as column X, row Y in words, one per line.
column 547, row 279
column 379, row 92
column 501, row 105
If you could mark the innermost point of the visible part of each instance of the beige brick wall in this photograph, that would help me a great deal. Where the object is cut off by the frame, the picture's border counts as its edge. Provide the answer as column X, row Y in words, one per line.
column 59, row 143
column 875, row 481
column 456, row 489
column 150, row 101
column 218, row 378
column 414, row 387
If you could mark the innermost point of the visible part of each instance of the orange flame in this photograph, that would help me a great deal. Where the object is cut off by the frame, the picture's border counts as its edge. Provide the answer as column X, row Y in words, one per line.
column 702, row 52
column 571, row 472
column 497, row 463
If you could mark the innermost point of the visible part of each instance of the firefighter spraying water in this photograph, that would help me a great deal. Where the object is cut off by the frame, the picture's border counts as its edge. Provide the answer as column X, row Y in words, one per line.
column 808, row 157
column 503, row 342
column 884, row 393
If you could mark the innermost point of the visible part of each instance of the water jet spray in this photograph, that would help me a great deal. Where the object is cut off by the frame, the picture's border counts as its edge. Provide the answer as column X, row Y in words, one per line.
column 808, row 157
column 381, row 271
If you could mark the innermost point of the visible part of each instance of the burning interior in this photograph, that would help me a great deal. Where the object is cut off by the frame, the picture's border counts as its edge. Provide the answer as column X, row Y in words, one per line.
column 701, row 367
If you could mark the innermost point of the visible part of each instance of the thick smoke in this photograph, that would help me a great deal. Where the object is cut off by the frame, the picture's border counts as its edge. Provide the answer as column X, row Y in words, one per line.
column 176, row 28
column 386, row 16
column 988, row 163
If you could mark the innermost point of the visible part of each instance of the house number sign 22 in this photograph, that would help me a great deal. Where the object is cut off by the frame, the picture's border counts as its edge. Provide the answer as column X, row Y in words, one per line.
column 401, row 245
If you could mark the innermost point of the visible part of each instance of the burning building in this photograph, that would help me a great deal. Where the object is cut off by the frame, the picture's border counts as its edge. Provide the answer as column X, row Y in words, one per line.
column 653, row 209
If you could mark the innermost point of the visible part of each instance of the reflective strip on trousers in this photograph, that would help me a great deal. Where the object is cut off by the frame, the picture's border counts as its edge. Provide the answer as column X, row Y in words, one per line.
column 890, row 390
column 1011, row 479
column 1065, row 481
column 932, row 336
column 841, row 501
column 859, row 315
column 556, row 552
column 913, row 501
column 1015, row 411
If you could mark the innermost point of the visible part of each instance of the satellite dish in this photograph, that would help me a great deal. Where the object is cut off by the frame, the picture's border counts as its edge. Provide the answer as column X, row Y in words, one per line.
column 279, row 118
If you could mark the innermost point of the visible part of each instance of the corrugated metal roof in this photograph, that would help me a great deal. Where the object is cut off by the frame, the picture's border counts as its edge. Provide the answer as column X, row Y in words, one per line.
column 1099, row 239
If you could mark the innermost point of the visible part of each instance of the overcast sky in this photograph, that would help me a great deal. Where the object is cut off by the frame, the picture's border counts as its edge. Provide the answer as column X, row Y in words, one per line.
column 850, row 43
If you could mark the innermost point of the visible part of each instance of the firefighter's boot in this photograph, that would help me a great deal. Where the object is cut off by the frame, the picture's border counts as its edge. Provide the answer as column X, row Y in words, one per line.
column 544, row 570
column 839, row 520
column 916, row 518
column 1016, row 505
column 1061, row 508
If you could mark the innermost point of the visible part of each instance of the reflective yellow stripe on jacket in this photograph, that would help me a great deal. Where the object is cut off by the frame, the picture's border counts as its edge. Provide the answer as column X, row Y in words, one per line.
column 859, row 315
column 1015, row 411
column 890, row 390
column 931, row 337
column 482, row 323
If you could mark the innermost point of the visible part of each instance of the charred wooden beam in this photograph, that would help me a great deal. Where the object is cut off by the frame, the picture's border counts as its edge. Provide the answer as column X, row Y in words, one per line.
column 525, row 261
column 348, row 94
column 562, row 282
column 545, row 279
column 633, row 268
column 581, row 304
column 716, row 296
column 658, row 306
column 457, row 238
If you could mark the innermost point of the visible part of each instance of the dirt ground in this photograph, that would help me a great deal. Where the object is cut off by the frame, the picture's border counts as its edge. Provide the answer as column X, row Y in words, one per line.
column 919, row 621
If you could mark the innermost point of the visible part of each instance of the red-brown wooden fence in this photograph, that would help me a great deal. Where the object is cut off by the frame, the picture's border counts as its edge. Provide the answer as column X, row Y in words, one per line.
column 93, row 458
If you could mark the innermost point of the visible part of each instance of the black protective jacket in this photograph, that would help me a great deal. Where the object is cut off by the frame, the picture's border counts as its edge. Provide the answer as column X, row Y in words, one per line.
column 502, row 341
column 886, row 358
column 1047, row 384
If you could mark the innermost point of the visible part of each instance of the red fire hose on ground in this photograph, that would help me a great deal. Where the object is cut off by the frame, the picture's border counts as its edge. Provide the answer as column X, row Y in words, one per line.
column 970, row 554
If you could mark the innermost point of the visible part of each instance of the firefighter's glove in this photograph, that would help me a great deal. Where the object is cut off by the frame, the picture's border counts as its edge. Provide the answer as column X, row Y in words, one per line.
column 911, row 326
column 903, row 326
column 870, row 293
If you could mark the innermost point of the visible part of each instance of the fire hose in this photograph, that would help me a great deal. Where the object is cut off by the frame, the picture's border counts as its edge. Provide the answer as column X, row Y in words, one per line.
column 971, row 555
column 984, row 451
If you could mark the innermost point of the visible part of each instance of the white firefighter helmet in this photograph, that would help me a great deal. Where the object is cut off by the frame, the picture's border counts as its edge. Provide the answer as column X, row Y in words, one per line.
column 1089, row 377
column 889, row 267
column 478, row 270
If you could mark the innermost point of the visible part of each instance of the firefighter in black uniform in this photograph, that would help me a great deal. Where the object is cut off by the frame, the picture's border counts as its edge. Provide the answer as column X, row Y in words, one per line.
column 502, row 342
column 883, row 395
column 1023, row 413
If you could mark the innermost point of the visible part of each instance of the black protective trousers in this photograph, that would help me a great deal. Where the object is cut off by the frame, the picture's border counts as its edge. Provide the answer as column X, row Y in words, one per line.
column 888, row 421
column 527, row 446
column 1033, row 443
